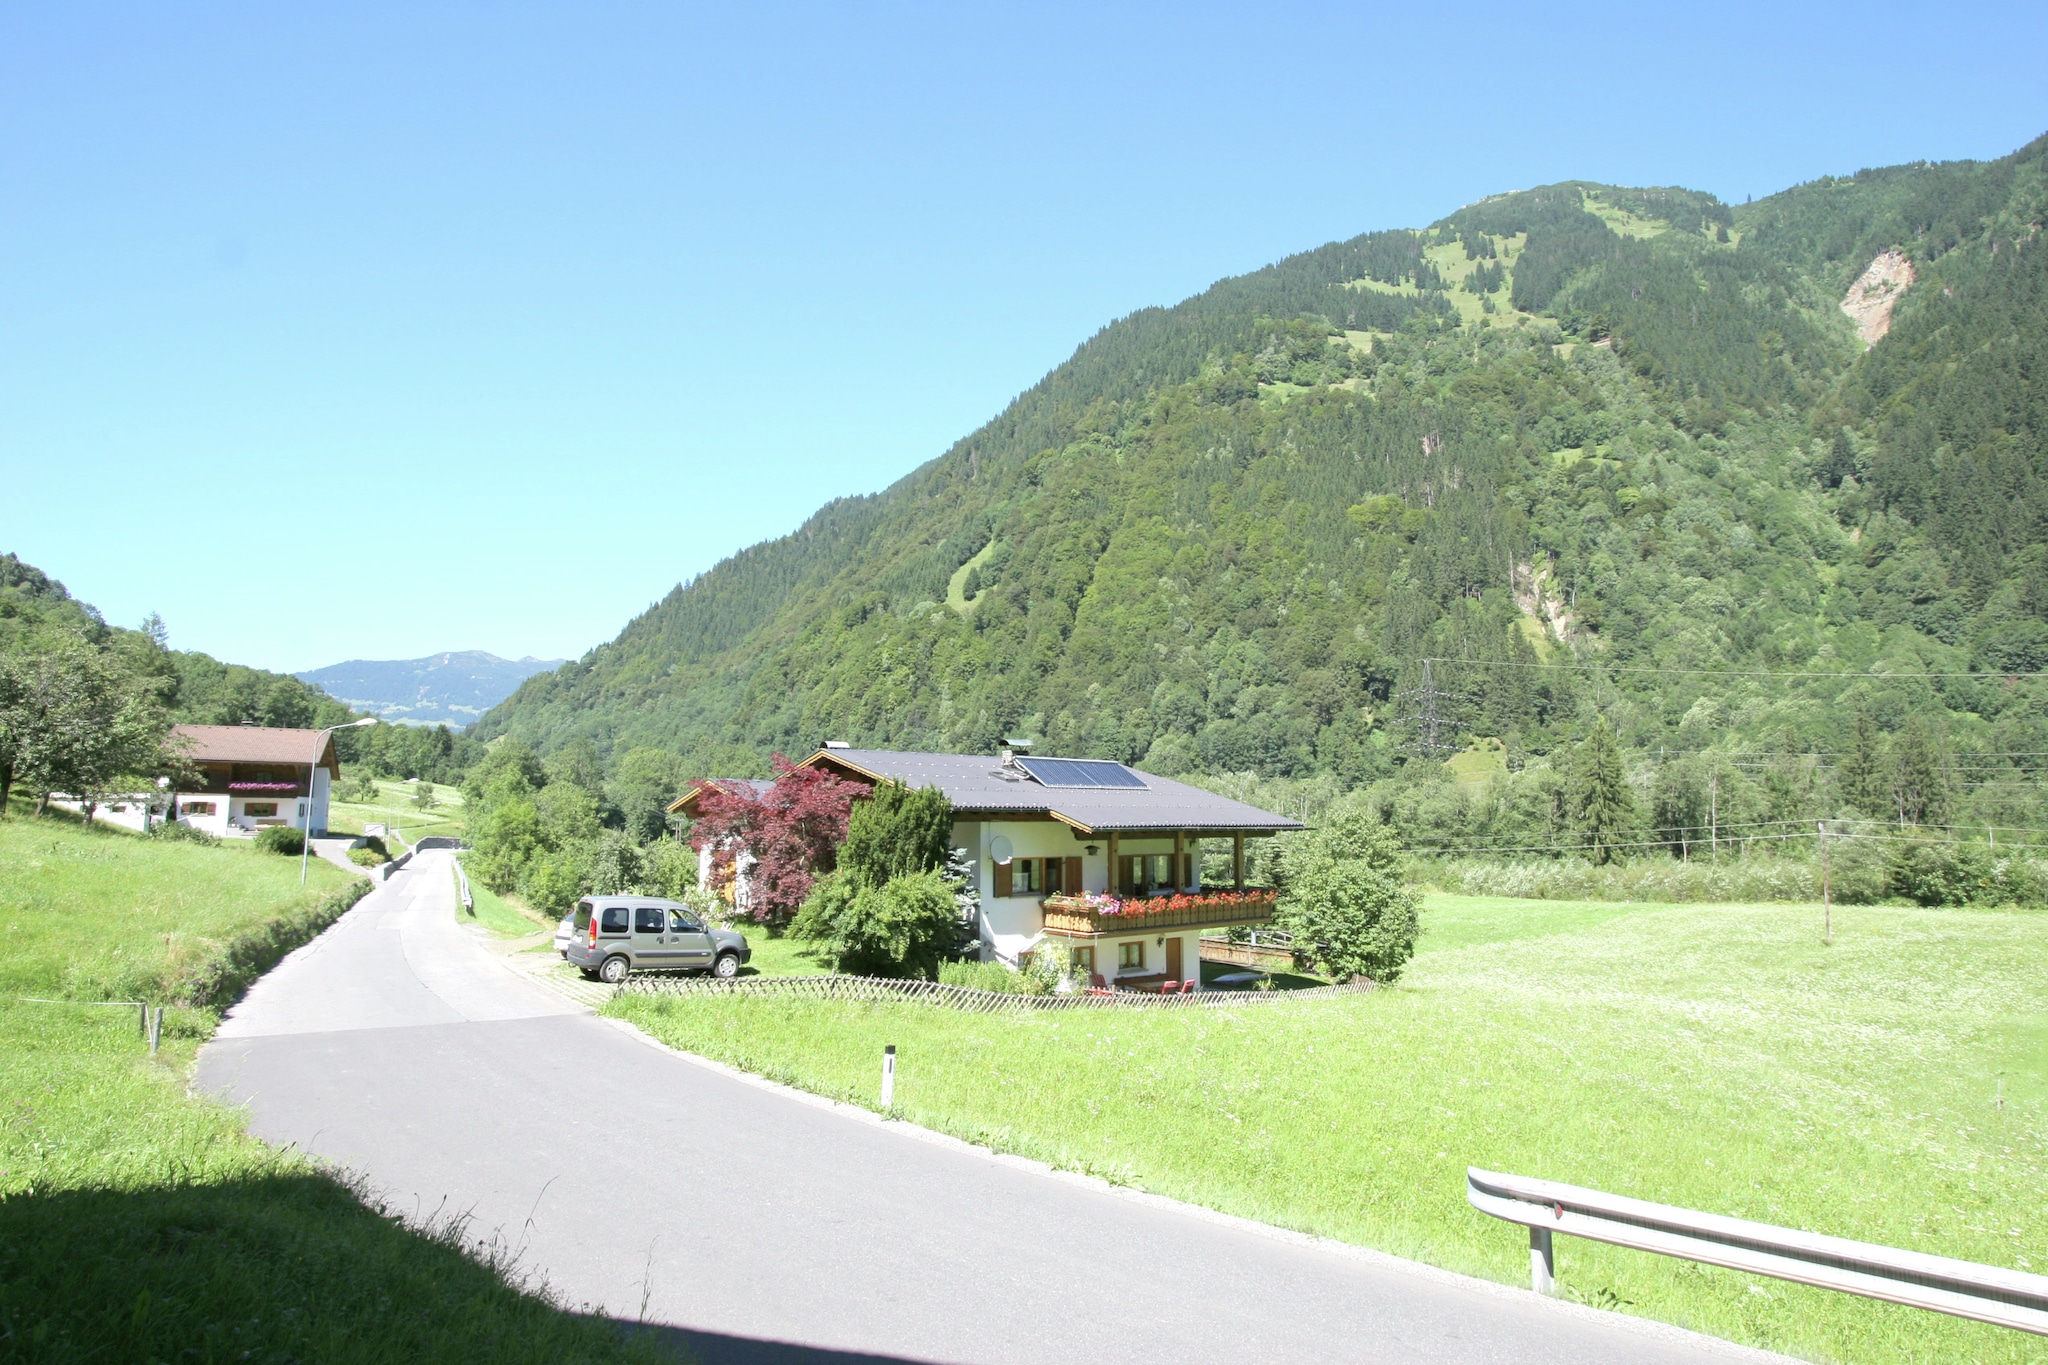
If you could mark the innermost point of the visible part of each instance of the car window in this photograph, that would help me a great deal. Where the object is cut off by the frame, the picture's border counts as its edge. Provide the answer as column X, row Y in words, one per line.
column 613, row 920
column 680, row 923
column 582, row 918
column 647, row 919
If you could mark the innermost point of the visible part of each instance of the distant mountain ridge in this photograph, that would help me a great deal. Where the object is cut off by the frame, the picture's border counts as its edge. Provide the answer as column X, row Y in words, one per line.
column 454, row 688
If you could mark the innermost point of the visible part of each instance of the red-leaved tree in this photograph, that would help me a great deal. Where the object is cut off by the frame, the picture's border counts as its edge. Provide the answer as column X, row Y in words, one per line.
column 779, row 841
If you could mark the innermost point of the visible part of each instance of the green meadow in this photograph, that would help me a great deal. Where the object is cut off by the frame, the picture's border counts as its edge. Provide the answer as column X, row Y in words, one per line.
column 1890, row 1087
column 394, row 809
column 138, row 1223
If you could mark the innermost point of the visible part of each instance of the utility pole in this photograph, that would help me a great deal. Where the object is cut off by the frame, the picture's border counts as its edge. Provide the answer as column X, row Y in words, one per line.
column 1827, row 899
column 1714, row 814
column 1428, row 721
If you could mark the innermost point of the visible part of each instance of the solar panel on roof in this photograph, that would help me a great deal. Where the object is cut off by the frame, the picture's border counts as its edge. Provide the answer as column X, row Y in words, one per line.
column 1080, row 772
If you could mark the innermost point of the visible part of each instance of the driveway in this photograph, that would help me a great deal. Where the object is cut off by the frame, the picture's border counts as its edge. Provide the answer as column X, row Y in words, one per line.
column 758, row 1225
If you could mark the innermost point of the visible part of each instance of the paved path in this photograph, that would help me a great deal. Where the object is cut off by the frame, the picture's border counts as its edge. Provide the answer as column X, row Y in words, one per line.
column 759, row 1225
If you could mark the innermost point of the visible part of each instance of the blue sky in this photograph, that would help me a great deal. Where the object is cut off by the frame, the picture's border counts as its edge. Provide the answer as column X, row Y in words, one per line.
column 372, row 331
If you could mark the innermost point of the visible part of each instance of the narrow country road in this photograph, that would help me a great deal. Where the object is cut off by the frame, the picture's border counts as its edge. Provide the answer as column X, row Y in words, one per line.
column 766, row 1227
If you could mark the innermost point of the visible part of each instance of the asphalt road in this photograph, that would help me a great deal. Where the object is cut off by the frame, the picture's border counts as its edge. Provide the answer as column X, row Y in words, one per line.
column 756, row 1225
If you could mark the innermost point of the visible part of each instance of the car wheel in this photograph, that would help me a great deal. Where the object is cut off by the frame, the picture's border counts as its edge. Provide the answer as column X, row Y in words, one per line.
column 727, row 967
column 614, row 970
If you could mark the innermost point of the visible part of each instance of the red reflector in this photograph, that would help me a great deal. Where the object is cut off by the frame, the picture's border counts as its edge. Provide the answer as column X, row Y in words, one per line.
column 593, row 931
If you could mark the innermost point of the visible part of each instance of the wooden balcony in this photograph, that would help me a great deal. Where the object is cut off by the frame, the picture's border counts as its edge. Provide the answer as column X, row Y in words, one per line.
column 1087, row 917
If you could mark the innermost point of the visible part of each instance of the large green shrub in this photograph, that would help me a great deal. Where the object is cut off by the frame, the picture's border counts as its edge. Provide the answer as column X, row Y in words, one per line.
column 179, row 831
column 281, row 839
column 903, row 928
column 983, row 976
column 1343, row 897
column 617, row 866
column 896, row 832
column 671, row 869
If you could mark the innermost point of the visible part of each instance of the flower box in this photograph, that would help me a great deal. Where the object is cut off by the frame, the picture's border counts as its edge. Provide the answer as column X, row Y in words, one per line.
column 1096, row 912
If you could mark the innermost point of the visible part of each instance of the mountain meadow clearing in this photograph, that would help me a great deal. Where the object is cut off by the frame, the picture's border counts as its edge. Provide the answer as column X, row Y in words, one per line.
column 138, row 1223
column 1891, row 1087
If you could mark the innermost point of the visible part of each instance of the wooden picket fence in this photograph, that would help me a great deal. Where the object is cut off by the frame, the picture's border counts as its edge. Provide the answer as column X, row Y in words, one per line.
column 874, row 990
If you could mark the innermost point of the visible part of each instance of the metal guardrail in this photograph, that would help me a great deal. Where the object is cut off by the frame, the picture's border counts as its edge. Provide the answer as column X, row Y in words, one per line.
column 2007, row 1298
column 462, row 881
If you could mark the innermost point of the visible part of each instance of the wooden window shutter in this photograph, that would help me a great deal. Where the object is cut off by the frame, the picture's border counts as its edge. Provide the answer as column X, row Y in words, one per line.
column 1002, row 879
column 1070, row 882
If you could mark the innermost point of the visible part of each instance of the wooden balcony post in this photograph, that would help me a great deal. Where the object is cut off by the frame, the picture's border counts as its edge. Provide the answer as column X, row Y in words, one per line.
column 1114, row 888
column 1180, row 860
column 1237, row 861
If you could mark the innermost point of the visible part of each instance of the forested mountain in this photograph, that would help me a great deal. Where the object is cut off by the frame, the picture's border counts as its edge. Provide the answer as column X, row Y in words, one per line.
column 197, row 688
column 1612, row 456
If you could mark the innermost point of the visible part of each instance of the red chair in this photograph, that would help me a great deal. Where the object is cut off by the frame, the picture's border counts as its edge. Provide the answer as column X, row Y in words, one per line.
column 1169, row 988
column 1097, row 986
column 1190, row 986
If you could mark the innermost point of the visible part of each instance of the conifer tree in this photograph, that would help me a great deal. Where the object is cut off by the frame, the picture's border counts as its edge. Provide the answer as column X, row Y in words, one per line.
column 1601, row 799
column 1864, row 783
column 1919, row 784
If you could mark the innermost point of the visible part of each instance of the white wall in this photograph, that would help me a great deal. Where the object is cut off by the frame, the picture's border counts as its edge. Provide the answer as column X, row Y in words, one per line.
column 216, row 823
column 1013, row 924
column 1107, row 951
column 322, row 783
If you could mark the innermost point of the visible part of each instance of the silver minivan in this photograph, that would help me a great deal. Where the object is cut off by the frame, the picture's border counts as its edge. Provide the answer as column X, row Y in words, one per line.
column 614, row 935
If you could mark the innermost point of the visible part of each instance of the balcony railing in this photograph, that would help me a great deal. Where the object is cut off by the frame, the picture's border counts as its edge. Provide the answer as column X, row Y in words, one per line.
column 1099, row 914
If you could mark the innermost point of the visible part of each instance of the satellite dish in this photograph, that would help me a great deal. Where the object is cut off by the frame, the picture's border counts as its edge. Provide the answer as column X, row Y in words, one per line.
column 999, row 848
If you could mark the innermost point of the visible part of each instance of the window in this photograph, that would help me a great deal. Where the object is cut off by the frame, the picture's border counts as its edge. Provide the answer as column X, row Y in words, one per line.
column 1026, row 878
column 1084, row 958
column 1053, row 868
column 197, row 807
column 648, row 919
column 613, row 919
column 680, row 923
column 582, row 916
column 256, row 808
column 1160, row 874
column 1130, row 956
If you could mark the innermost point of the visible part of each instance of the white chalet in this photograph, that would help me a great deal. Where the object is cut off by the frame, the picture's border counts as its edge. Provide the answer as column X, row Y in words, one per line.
column 1091, row 851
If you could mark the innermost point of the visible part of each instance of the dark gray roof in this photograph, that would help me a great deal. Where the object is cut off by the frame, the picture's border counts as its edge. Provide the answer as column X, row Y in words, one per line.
column 980, row 784
column 738, row 786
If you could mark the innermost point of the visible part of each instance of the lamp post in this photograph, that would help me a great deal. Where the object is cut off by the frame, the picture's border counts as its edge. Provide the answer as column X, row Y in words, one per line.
column 306, row 832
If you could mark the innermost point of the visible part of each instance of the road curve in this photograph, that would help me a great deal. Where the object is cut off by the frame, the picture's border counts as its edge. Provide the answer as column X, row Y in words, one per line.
column 760, row 1226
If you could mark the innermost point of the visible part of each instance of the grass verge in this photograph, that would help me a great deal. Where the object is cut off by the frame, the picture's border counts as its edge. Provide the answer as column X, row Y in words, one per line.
column 1717, row 1058
column 138, row 1223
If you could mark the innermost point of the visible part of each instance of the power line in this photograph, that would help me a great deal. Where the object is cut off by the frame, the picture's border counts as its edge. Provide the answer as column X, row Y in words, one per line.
column 1666, row 843
column 1730, row 672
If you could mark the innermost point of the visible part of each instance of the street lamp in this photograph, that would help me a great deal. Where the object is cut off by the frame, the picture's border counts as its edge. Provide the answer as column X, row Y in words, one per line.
column 306, row 832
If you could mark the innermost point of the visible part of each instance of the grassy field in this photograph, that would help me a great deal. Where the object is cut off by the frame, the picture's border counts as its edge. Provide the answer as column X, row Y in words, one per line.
column 394, row 809
column 1716, row 1057
column 137, row 1223
column 505, row 914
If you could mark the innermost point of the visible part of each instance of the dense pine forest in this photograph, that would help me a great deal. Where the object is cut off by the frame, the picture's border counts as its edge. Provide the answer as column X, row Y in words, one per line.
column 1433, row 514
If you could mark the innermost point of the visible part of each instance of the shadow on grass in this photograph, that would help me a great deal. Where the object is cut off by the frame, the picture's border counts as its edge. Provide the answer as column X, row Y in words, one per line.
column 273, row 1267
column 716, row 1348
column 1214, row 972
